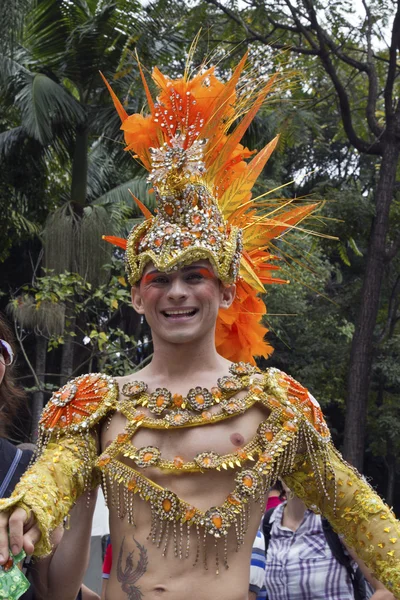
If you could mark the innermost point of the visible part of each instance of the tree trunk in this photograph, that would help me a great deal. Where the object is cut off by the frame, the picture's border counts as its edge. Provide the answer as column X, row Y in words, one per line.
column 38, row 396
column 362, row 344
column 391, row 480
column 80, row 167
column 67, row 357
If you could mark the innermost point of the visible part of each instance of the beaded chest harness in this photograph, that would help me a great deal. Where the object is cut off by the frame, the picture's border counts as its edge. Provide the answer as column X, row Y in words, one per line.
column 294, row 418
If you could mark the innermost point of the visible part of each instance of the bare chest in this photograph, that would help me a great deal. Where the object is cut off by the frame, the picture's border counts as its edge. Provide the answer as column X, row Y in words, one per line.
column 222, row 437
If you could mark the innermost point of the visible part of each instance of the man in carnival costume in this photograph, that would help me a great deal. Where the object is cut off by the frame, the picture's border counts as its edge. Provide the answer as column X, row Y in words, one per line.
column 188, row 447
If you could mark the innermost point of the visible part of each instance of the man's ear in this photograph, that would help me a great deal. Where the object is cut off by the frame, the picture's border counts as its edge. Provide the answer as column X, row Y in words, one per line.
column 228, row 293
column 137, row 301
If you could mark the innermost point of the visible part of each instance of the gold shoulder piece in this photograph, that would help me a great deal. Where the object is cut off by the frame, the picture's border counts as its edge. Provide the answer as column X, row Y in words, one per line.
column 79, row 405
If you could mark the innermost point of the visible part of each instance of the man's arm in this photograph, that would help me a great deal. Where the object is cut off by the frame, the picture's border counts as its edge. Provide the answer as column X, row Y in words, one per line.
column 60, row 575
column 45, row 494
column 381, row 592
column 63, row 470
column 325, row 482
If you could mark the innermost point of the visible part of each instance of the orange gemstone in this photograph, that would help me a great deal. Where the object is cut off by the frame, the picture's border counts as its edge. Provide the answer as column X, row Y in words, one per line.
column 274, row 402
column 104, row 460
column 265, row 458
column 206, row 461
column 190, row 513
column 177, row 400
column 122, row 437
column 221, row 228
column 196, row 219
column 160, row 400
column 186, row 242
column 178, row 418
column 197, row 234
column 157, row 242
column 217, row 521
column 248, row 481
column 269, row 435
column 256, row 389
column 241, row 369
column 138, row 417
column 216, row 392
column 212, row 239
column 241, row 453
column 132, row 484
column 167, row 504
column 288, row 412
column 290, row 426
column 206, row 415
column 147, row 456
column 199, row 398
column 178, row 462
column 230, row 384
column 234, row 500
column 169, row 209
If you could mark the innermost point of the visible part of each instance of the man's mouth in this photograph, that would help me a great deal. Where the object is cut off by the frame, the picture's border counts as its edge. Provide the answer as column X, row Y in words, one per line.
column 180, row 313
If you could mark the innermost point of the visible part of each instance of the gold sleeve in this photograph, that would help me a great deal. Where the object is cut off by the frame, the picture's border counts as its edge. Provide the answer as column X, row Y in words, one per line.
column 354, row 510
column 51, row 486
column 66, row 453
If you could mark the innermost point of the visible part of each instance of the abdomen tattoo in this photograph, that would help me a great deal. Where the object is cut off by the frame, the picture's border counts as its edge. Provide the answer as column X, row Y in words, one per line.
column 130, row 574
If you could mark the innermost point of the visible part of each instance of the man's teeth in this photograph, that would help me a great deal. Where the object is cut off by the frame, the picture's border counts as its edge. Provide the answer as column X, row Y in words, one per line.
column 179, row 312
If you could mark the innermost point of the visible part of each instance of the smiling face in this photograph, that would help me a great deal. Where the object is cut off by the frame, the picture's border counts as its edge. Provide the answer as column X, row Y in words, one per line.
column 181, row 306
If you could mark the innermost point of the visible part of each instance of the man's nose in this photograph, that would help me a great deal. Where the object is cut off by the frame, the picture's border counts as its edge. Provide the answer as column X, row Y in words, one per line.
column 177, row 289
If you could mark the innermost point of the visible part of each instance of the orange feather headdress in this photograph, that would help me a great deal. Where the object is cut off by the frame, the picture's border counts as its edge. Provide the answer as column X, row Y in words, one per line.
column 203, row 178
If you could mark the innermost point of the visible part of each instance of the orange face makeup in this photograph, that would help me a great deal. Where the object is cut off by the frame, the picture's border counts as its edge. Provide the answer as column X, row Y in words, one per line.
column 206, row 273
column 150, row 277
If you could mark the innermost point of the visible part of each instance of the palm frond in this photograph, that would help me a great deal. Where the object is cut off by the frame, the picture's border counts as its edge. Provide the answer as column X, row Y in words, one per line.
column 120, row 195
column 11, row 139
column 42, row 103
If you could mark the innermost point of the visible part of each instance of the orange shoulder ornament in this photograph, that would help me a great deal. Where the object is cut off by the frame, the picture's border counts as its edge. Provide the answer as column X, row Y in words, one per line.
column 79, row 405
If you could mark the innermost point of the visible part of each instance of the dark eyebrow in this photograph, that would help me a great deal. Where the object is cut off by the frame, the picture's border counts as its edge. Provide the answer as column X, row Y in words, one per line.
column 186, row 268
column 192, row 267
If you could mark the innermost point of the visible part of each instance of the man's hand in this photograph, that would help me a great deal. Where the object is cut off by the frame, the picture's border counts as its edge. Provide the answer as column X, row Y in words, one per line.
column 17, row 532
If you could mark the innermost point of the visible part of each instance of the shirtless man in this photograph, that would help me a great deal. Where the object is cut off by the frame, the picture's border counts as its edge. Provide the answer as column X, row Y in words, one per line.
column 189, row 446
column 184, row 352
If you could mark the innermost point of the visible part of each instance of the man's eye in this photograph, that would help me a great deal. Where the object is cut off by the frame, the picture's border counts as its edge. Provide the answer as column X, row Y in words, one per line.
column 157, row 279
column 194, row 277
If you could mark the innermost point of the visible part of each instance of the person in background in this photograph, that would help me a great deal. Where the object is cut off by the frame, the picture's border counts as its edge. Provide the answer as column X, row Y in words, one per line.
column 276, row 495
column 14, row 461
column 51, row 577
column 300, row 564
column 107, row 565
column 257, row 566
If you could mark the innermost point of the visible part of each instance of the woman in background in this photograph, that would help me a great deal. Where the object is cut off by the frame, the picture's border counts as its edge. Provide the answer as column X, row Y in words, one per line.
column 59, row 575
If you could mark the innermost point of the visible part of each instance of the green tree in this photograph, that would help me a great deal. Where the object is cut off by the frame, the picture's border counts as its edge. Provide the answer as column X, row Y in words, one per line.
column 349, row 57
